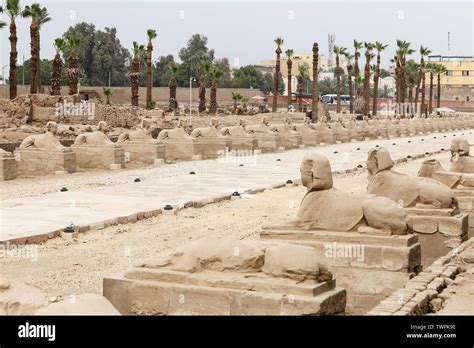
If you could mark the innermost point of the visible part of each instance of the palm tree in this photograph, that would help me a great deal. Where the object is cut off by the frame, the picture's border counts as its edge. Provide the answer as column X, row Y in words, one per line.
column 39, row 16
column 315, row 87
column 302, row 73
column 379, row 47
column 236, row 97
column 430, row 67
column 173, row 69
column 108, row 92
column 204, row 70
column 289, row 63
column 338, row 51
column 59, row 45
column 359, row 100
column 151, row 33
column 421, row 80
column 73, row 67
column 13, row 10
column 357, row 47
column 438, row 70
column 402, row 52
column 279, row 42
column 2, row 23
column 368, row 56
column 216, row 75
column 138, row 52
column 350, row 68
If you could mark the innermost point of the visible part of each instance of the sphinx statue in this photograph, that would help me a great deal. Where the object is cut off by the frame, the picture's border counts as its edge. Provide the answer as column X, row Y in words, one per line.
column 178, row 144
column 142, row 134
column 308, row 135
column 238, row 138
column 368, row 131
column 289, row 138
column 177, row 132
column 460, row 160
column 43, row 154
column 208, row 142
column 326, row 208
column 325, row 133
column 48, row 140
column 340, row 132
column 98, row 137
column 354, row 130
column 407, row 190
column 267, row 141
column 379, row 126
column 433, row 169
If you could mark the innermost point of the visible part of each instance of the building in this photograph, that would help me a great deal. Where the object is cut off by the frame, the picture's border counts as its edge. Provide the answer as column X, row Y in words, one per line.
column 458, row 83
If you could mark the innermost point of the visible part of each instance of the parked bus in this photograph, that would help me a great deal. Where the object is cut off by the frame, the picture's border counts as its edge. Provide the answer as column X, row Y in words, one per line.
column 332, row 99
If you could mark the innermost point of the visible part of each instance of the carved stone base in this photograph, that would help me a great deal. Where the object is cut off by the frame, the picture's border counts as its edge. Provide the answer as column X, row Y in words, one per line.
column 439, row 231
column 7, row 166
column 37, row 162
column 369, row 267
column 241, row 143
column 209, row 148
column 151, row 291
column 142, row 153
column 268, row 142
column 178, row 150
column 98, row 157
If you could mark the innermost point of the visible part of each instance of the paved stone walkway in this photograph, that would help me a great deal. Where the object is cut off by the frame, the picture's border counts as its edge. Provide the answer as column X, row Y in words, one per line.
column 31, row 216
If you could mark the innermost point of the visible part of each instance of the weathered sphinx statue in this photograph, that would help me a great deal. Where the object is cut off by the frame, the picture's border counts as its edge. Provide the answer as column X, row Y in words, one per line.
column 288, row 137
column 308, row 135
column 340, row 132
column 47, row 140
column 208, row 142
column 98, row 137
column 325, row 133
column 460, row 160
column 408, row 190
column 142, row 134
column 327, row 208
column 178, row 144
column 433, row 169
column 354, row 130
column 238, row 139
column 267, row 141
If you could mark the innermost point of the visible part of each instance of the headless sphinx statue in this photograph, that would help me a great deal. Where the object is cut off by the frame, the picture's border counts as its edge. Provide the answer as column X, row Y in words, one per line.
column 142, row 133
column 47, row 140
column 461, row 162
column 433, row 169
column 175, row 133
column 407, row 190
column 98, row 137
column 207, row 132
column 238, row 130
column 327, row 208
column 262, row 127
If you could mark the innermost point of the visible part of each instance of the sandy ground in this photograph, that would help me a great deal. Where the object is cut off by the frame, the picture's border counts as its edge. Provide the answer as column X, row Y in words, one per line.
column 72, row 267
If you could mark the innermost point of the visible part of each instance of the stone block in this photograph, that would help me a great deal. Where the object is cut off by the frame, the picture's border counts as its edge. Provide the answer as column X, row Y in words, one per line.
column 36, row 162
column 8, row 166
column 99, row 157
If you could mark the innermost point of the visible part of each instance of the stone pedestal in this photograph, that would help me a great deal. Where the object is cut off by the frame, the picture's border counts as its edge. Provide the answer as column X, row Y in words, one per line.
column 369, row 266
column 139, row 153
column 8, row 169
column 177, row 149
column 439, row 231
column 290, row 140
column 236, row 143
column 266, row 284
column 99, row 157
column 267, row 142
column 209, row 147
column 37, row 162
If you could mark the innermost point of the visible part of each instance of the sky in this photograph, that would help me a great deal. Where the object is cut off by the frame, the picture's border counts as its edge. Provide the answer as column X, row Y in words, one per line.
column 244, row 30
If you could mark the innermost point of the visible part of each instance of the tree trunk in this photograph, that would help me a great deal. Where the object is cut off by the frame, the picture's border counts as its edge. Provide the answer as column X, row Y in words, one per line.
column 315, row 96
column 289, row 64
column 135, row 79
column 213, row 104
column 338, row 86
column 276, row 79
column 173, row 103
column 300, row 94
column 13, row 57
column 351, row 93
column 34, row 57
column 356, row 64
column 431, row 94
column 402, row 82
column 149, row 81
column 422, row 110
column 72, row 72
column 418, row 83
column 367, row 84
column 38, row 63
column 376, row 86
column 438, row 100
column 56, row 75
column 202, row 94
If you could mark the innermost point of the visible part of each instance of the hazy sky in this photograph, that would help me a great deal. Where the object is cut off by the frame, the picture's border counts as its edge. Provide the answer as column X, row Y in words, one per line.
column 244, row 30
